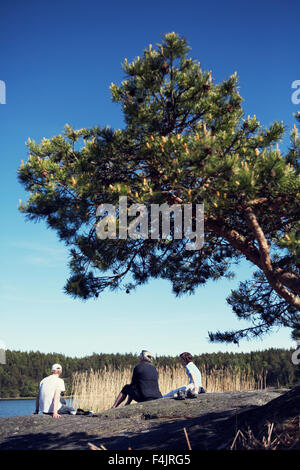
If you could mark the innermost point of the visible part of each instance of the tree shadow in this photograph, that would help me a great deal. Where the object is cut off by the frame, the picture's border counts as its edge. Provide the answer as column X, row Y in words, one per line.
column 48, row 441
column 202, row 433
column 160, row 434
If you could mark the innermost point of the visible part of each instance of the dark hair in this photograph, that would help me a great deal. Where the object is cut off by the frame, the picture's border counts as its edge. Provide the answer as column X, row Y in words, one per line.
column 186, row 356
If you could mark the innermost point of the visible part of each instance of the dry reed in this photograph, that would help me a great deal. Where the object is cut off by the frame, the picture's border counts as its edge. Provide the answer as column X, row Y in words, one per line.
column 276, row 437
column 97, row 390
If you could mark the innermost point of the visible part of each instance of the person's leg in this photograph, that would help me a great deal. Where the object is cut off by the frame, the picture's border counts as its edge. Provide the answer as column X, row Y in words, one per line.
column 131, row 392
column 170, row 394
column 120, row 398
column 122, row 395
column 64, row 409
column 129, row 400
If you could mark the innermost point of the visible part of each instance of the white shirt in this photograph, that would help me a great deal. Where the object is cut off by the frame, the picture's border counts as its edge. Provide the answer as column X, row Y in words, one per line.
column 48, row 387
column 191, row 367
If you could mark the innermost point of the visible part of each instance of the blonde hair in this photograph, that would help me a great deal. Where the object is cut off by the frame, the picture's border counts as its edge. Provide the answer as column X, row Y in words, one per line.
column 146, row 356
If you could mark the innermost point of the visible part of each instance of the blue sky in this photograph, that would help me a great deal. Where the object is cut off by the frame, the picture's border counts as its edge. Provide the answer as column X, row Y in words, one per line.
column 58, row 60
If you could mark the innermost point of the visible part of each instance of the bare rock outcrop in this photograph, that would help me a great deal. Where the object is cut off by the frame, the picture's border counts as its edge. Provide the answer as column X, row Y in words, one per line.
column 210, row 421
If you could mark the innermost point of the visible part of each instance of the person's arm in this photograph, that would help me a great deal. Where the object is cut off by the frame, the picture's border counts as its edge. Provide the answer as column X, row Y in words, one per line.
column 192, row 378
column 134, row 377
column 56, row 403
column 37, row 403
column 194, row 381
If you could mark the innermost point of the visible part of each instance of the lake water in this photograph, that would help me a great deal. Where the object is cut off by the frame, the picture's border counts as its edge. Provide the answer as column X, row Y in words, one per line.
column 18, row 407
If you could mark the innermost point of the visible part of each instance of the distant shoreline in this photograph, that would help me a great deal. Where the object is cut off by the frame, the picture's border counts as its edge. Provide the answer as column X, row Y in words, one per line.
column 27, row 398
column 20, row 398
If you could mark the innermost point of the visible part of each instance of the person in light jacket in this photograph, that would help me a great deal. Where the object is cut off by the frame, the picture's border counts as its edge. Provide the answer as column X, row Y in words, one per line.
column 194, row 376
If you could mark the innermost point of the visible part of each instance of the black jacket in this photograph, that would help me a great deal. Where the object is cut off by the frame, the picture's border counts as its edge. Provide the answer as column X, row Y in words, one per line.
column 145, row 381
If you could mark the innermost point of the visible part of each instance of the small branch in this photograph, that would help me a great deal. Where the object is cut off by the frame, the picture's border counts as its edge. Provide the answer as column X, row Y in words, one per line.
column 187, row 439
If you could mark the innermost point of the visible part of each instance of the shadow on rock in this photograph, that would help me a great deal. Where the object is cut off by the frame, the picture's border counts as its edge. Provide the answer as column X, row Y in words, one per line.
column 48, row 441
column 170, row 435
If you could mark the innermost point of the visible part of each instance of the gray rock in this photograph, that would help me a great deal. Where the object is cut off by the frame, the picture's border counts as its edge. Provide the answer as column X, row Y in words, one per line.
column 158, row 424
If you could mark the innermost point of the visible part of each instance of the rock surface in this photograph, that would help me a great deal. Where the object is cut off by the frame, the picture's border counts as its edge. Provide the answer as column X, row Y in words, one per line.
column 210, row 421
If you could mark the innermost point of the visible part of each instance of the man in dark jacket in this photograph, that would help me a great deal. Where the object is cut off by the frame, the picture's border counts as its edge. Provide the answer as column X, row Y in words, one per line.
column 144, row 382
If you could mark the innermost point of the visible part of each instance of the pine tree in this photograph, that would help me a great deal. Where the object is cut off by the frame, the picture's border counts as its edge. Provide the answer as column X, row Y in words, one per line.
column 185, row 140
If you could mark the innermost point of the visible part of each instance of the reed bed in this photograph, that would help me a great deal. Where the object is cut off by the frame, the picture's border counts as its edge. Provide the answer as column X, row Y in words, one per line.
column 97, row 390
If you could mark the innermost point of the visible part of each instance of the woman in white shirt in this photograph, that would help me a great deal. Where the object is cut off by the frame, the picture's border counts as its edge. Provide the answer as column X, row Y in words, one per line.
column 194, row 376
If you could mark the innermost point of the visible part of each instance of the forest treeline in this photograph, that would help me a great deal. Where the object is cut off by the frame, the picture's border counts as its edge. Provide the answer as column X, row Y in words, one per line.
column 23, row 371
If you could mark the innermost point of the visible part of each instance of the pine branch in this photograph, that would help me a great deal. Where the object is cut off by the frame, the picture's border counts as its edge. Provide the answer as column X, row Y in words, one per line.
column 266, row 263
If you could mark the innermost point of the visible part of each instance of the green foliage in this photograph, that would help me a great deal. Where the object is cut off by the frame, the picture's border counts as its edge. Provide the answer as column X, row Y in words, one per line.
column 185, row 140
column 21, row 376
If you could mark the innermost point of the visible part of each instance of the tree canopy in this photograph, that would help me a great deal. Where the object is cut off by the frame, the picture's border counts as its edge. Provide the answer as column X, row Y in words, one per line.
column 185, row 141
column 21, row 375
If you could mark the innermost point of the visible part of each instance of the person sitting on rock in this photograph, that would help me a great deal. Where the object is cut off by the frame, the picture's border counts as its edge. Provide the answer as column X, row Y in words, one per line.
column 144, row 383
column 194, row 375
column 48, row 399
